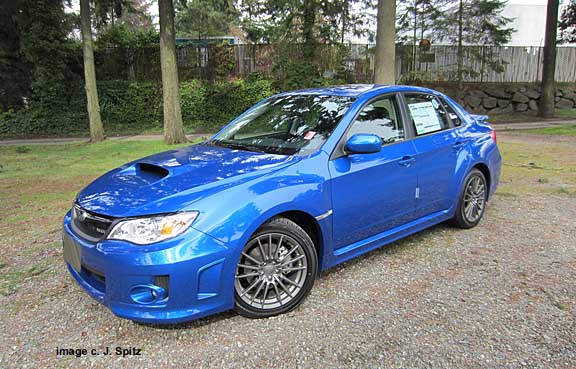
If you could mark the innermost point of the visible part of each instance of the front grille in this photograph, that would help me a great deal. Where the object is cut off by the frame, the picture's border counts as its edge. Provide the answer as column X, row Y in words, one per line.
column 88, row 224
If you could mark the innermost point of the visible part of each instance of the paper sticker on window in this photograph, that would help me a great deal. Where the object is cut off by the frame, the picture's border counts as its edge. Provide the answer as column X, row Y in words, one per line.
column 309, row 135
column 425, row 117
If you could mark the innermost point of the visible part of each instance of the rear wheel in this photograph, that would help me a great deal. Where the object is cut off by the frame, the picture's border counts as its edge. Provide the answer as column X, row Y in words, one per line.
column 472, row 201
column 276, row 270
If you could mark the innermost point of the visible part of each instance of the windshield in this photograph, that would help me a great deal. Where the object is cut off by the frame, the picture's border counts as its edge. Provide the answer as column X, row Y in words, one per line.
column 286, row 124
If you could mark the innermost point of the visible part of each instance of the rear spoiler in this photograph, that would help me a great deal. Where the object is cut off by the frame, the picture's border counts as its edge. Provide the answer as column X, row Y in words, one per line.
column 479, row 118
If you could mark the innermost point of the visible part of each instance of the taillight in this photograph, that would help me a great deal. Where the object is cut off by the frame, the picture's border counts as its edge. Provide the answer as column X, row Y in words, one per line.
column 493, row 135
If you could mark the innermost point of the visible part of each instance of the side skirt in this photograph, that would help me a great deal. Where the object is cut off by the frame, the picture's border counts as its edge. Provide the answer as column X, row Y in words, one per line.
column 371, row 243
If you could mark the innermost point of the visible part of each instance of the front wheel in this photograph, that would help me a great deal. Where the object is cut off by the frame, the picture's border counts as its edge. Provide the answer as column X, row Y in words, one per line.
column 472, row 201
column 276, row 270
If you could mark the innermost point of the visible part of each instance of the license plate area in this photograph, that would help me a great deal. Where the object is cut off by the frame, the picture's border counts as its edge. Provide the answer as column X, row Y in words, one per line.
column 72, row 252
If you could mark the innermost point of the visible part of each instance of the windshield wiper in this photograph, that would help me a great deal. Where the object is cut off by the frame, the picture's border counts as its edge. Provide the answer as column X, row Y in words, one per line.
column 237, row 145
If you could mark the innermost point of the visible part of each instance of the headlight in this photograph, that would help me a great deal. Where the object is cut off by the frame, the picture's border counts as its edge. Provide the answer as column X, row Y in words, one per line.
column 144, row 231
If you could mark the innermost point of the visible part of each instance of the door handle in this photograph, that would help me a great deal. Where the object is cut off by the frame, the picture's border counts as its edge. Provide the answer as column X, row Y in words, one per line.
column 406, row 161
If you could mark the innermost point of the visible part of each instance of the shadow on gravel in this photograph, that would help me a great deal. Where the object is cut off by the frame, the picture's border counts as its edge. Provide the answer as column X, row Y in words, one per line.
column 191, row 324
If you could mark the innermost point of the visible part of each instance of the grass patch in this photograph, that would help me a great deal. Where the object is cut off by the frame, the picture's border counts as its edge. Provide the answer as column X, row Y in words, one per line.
column 565, row 130
column 543, row 168
column 49, row 162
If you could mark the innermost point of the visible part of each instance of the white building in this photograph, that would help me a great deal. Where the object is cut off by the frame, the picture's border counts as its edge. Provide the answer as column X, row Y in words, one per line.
column 529, row 21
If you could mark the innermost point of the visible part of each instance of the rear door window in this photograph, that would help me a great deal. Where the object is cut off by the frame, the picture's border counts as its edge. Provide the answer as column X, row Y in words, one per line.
column 427, row 113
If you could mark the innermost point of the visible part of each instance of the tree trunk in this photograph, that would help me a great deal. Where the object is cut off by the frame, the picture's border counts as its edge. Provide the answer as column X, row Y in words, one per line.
column 384, row 70
column 546, row 108
column 96, row 128
column 308, row 31
column 173, row 126
column 460, row 51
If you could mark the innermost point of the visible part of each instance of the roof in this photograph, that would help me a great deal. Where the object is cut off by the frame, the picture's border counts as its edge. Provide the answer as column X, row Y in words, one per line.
column 352, row 90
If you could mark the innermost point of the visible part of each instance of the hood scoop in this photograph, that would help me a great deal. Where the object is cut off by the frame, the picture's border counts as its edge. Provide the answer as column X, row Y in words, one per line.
column 141, row 174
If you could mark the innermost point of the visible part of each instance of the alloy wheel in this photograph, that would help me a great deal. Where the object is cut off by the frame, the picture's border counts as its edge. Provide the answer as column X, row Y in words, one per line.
column 272, row 271
column 474, row 199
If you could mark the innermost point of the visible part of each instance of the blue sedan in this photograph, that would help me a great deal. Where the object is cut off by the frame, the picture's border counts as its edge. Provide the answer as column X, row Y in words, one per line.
column 297, row 184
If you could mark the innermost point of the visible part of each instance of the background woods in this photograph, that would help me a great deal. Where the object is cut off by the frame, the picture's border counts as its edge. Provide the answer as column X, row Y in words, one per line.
column 229, row 54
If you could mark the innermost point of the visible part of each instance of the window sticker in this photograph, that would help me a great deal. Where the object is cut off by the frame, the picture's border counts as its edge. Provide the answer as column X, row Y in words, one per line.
column 309, row 135
column 425, row 117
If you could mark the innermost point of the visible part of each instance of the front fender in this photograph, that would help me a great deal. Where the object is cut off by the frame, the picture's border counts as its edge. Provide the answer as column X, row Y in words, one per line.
column 232, row 216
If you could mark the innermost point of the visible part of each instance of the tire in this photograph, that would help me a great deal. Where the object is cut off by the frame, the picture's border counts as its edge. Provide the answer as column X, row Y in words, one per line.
column 472, row 201
column 266, row 286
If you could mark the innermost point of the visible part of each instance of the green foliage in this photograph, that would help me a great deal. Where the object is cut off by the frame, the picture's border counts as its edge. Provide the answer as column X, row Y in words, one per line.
column 133, row 107
column 222, row 56
column 299, row 75
column 35, row 52
column 418, row 17
column 223, row 101
column 482, row 23
column 567, row 24
column 22, row 149
column 130, row 104
column 192, row 100
column 202, row 18
column 121, row 36
column 132, row 14
column 305, row 21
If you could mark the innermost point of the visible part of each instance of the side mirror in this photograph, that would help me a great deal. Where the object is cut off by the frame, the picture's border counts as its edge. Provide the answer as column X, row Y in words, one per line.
column 363, row 143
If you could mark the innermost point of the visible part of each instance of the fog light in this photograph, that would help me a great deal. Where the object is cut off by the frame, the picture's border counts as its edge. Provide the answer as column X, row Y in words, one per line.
column 147, row 294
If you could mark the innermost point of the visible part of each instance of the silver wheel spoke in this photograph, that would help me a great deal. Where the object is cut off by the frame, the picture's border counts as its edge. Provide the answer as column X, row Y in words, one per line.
column 250, row 287
column 248, row 275
column 278, row 246
column 261, row 249
column 257, row 262
column 265, row 295
column 277, row 294
column 270, row 246
column 294, row 269
column 257, row 292
column 293, row 260
column 289, row 281
column 249, row 266
column 290, row 252
column 283, row 287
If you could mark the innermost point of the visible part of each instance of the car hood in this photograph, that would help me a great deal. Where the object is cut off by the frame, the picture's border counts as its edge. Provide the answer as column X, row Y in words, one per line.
column 172, row 180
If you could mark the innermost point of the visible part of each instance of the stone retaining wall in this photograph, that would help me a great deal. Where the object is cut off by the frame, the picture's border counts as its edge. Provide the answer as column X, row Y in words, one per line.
column 496, row 98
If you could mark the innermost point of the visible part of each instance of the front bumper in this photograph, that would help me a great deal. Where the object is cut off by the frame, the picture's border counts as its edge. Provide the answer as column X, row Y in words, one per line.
column 195, row 270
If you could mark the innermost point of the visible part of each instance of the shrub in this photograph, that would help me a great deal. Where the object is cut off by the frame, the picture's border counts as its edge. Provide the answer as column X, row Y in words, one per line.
column 130, row 107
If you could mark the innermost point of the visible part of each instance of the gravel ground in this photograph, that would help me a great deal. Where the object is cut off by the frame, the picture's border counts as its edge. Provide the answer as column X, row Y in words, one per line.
column 500, row 295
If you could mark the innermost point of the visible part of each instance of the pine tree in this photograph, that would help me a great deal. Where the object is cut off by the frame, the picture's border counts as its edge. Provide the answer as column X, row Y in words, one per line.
column 478, row 23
